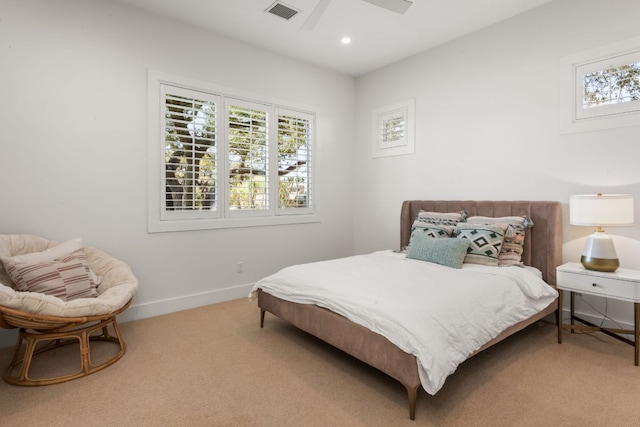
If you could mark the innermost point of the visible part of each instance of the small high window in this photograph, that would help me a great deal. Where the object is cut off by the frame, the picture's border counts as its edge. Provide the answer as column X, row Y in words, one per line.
column 600, row 88
column 610, row 86
column 393, row 129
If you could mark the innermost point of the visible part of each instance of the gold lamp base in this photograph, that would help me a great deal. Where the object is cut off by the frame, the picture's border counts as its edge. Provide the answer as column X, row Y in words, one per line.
column 600, row 264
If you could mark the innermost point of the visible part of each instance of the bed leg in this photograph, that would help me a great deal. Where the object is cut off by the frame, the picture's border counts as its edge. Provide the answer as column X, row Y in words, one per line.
column 262, row 318
column 412, row 394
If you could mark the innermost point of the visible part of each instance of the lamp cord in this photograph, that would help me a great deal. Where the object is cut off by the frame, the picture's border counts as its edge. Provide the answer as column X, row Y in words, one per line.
column 604, row 315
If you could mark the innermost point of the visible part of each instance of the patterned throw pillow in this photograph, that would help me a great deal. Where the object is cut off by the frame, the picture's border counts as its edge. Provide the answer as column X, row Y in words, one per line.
column 435, row 224
column 432, row 230
column 513, row 245
column 485, row 241
column 439, row 218
column 447, row 252
column 67, row 277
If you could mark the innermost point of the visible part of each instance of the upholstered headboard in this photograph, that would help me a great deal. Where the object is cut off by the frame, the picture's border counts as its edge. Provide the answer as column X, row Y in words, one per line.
column 543, row 242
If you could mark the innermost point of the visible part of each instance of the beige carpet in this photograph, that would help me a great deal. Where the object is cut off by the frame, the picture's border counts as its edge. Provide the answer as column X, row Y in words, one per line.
column 214, row 366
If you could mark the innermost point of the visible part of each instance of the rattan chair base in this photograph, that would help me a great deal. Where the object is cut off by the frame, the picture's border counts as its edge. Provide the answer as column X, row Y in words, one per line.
column 37, row 337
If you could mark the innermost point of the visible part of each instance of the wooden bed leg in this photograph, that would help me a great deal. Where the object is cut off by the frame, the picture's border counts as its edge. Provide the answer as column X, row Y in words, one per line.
column 412, row 393
column 262, row 318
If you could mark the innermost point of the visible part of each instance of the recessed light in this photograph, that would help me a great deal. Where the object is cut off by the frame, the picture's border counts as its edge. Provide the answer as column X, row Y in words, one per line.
column 345, row 40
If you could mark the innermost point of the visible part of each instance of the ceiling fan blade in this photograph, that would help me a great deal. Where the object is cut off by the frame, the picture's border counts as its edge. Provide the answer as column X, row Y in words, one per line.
column 397, row 6
column 315, row 15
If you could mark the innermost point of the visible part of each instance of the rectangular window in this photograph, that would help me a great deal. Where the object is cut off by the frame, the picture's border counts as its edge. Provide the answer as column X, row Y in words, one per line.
column 219, row 160
column 610, row 86
column 615, row 85
column 190, row 163
column 295, row 130
column 248, row 156
column 600, row 88
column 393, row 129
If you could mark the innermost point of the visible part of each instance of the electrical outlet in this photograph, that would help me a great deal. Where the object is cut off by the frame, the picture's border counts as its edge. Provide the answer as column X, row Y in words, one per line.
column 240, row 267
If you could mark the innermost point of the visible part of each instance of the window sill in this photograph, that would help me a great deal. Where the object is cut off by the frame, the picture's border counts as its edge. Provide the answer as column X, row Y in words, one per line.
column 157, row 226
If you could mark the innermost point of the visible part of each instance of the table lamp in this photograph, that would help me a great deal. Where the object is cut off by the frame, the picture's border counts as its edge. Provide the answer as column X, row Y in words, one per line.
column 600, row 210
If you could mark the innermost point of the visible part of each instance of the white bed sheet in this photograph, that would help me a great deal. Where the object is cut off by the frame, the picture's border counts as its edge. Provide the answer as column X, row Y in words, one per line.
column 439, row 314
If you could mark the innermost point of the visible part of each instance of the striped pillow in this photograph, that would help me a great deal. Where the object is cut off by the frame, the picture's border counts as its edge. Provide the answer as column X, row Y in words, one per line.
column 67, row 277
column 440, row 218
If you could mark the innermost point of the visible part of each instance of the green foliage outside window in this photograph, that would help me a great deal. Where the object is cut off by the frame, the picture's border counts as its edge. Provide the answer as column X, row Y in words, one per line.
column 612, row 86
column 191, row 157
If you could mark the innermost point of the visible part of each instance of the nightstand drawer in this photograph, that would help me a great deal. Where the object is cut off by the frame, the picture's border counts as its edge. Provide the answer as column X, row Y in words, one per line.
column 597, row 285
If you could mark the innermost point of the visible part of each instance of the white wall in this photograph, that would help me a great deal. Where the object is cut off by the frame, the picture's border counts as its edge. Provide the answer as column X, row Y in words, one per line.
column 73, row 139
column 73, row 162
column 487, row 109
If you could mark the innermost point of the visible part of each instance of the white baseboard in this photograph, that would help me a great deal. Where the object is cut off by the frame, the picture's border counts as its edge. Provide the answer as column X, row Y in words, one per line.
column 171, row 305
column 156, row 308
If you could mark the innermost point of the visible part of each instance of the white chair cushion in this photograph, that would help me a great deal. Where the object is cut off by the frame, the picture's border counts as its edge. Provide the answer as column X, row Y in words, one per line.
column 118, row 284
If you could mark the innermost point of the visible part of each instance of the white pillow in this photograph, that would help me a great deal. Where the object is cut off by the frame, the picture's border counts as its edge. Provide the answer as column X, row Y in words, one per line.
column 48, row 254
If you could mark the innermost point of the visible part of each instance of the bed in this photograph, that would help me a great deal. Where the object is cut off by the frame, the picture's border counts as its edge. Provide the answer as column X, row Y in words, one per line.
column 541, row 249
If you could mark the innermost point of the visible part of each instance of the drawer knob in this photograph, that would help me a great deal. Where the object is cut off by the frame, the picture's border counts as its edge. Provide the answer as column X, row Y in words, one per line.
column 594, row 284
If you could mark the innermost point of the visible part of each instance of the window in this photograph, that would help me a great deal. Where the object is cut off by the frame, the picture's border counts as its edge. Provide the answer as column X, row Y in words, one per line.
column 226, row 160
column 248, row 157
column 190, row 158
column 600, row 89
column 294, row 160
column 608, row 87
column 393, row 129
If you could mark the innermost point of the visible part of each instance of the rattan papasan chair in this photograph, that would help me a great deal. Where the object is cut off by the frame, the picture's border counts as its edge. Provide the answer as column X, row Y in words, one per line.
column 49, row 322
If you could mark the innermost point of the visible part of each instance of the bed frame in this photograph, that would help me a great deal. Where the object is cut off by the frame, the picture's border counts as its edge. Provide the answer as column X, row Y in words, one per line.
column 543, row 250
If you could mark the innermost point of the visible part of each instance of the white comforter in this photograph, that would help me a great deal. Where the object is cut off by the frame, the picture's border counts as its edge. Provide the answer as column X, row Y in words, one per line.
column 439, row 314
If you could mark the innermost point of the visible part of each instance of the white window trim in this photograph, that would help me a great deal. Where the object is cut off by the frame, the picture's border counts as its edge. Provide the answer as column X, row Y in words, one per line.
column 155, row 153
column 401, row 147
column 571, row 119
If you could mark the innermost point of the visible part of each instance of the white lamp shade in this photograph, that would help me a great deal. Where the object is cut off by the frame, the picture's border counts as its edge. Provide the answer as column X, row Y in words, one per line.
column 601, row 210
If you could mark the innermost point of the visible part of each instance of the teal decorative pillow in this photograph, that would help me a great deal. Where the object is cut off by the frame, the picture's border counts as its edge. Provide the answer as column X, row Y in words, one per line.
column 436, row 224
column 485, row 241
column 447, row 252
column 513, row 245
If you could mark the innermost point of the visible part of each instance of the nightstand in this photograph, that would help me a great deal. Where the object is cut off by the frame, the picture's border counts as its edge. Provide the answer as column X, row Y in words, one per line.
column 623, row 284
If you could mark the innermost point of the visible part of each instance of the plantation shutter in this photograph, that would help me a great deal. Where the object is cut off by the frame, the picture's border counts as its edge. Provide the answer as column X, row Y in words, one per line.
column 219, row 160
column 295, row 139
column 190, row 175
column 247, row 158
column 392, row 129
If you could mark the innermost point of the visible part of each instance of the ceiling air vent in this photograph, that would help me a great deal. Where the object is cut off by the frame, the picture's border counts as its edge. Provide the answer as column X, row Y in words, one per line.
column 282, row 10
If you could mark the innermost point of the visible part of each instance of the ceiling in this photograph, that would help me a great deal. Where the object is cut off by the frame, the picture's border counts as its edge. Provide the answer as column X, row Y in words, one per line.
column 379, row 36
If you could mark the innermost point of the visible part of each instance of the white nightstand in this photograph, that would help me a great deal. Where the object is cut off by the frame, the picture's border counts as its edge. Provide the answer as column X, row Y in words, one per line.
column 622, row 285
